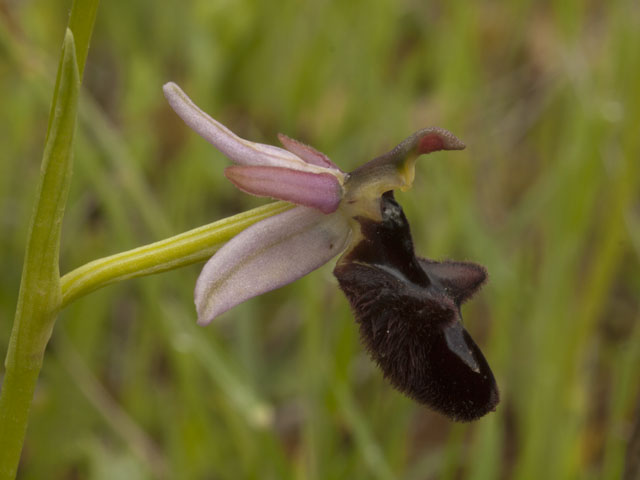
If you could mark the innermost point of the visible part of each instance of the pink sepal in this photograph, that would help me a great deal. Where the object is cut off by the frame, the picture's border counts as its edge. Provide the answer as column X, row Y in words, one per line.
column 268, row 255
column 317, row 190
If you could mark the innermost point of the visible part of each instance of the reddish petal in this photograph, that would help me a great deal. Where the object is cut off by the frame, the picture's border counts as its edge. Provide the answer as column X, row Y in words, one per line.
column 317, row 190
column 305, row 152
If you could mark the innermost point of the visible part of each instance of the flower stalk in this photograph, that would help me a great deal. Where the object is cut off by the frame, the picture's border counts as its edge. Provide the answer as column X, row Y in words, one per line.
column 181, row 250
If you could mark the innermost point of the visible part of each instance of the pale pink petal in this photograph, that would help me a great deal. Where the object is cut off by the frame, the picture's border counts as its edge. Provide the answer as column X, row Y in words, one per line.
column 268, row 255
column 307, row 153
column 317, row 190
column 239, row 150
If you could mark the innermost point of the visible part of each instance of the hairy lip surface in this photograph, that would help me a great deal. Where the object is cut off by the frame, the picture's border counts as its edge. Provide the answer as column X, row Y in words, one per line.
column 408, row 311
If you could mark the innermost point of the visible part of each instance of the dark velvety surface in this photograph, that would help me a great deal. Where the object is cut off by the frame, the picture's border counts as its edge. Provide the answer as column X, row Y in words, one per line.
column 408, row 310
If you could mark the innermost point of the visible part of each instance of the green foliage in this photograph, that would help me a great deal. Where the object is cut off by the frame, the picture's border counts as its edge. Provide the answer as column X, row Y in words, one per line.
column 544, row 95
column 40, row 293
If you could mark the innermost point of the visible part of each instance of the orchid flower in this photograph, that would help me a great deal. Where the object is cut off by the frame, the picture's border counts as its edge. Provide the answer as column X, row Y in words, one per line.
column 408, row 309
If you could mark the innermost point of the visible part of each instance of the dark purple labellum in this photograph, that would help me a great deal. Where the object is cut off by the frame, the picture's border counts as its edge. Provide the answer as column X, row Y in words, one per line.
column 408, row 310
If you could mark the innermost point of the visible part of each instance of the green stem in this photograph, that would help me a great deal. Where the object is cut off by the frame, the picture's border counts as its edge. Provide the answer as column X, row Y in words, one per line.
column 40, row 295
column 190, row 247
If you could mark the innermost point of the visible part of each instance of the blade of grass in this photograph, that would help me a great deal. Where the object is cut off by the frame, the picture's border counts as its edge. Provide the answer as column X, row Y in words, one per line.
column 40, row 294
column 138, row 441
column 367, row 445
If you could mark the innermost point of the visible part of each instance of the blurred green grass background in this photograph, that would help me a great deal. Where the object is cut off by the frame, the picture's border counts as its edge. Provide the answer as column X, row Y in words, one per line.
column 546, row 195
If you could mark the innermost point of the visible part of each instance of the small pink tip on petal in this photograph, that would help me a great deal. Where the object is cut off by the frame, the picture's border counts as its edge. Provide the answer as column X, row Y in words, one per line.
column 306, row 152
column 266, row 256
column 433, row 139
column 318, row 190
column 396, row 168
